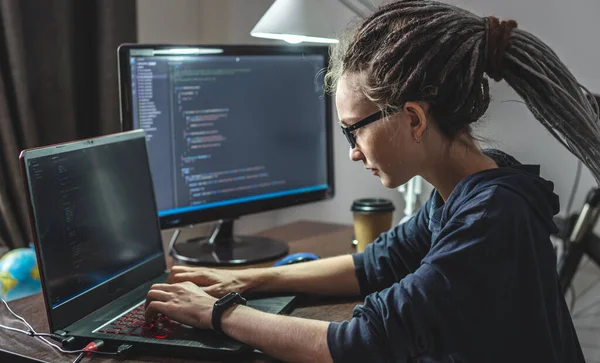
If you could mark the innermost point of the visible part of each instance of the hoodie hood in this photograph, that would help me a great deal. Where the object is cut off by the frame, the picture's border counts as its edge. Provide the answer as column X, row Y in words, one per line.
column 522, row 180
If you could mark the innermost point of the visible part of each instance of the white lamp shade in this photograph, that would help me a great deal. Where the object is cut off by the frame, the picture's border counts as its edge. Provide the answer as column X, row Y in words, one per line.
column 298, row 21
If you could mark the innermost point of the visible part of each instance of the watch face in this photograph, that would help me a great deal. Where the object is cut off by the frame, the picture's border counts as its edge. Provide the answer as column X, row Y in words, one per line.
column 228, row 299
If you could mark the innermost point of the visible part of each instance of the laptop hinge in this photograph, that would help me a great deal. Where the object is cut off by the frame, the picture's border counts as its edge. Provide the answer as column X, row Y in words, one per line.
column 62, row 333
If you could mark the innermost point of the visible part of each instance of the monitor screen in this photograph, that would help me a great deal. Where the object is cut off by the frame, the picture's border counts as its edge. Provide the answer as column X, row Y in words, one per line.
column 94, row 212
column 230, row 130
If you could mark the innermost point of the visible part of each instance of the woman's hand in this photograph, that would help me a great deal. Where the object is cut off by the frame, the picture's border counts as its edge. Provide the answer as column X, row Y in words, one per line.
column 184, row 302
column 215, row 282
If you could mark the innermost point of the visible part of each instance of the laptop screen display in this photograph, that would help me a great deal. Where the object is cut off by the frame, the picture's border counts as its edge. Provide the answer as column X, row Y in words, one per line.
column 95, row 213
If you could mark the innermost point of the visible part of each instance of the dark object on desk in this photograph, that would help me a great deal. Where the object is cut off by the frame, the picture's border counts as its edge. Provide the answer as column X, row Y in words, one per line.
column 297, row 258
column 579, row 239
column 98, row 263
column 191, row 182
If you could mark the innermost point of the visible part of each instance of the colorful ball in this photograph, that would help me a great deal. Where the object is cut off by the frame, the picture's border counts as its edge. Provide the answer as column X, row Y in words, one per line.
column 19, row 275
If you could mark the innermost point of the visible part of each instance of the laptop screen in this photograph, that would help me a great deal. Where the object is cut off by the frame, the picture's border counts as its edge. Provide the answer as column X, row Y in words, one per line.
column 95, row 214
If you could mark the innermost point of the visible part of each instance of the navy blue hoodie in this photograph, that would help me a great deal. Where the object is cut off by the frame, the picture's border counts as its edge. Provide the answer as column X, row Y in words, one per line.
column 470, row 280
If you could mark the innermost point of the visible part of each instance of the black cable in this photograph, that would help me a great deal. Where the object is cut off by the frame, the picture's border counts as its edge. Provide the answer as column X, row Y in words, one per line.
column 79, row 357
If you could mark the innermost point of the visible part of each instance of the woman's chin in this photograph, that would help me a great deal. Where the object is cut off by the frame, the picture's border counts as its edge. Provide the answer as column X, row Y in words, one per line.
column 390, row 182
column 387, row 182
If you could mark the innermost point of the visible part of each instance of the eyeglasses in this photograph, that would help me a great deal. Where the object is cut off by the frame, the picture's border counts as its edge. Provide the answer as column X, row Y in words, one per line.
column 347, row 130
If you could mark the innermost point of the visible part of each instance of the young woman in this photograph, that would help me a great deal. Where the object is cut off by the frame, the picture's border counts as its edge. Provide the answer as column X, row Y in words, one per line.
column 472, row 277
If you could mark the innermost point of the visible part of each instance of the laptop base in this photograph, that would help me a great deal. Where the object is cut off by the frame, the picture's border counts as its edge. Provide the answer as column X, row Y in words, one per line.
column 185, row 341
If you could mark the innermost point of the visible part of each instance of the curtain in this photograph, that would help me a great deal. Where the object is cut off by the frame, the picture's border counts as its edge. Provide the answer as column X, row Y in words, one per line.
column 58, row 82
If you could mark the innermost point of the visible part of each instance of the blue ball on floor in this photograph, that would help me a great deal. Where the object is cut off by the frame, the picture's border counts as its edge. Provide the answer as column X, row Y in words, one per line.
column 19, row 274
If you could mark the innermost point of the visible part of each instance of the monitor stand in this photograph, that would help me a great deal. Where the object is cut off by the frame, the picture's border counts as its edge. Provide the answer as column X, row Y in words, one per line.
column 222, row 248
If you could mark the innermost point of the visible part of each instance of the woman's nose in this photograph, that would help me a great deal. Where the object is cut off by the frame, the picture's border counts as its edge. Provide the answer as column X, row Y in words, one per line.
column 355, row 154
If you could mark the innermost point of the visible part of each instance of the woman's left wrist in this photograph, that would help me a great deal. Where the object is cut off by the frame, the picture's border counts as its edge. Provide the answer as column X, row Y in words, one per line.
column 205, row 315
column 227, row 313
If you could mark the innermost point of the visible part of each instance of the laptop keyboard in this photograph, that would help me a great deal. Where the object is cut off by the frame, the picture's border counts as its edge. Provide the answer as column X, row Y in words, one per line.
column 134, row 324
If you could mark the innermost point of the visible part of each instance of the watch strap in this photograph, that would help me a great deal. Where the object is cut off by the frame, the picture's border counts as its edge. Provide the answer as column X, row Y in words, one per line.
column 223, row 304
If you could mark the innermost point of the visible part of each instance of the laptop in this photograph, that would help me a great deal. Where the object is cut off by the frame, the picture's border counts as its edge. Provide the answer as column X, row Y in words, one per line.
column 99, row 249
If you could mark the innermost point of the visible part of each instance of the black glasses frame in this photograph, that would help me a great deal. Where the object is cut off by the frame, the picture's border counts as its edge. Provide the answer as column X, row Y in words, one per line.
column 347, row 130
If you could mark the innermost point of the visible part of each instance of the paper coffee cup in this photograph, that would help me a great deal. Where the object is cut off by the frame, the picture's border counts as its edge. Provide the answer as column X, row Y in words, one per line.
column 372, row 216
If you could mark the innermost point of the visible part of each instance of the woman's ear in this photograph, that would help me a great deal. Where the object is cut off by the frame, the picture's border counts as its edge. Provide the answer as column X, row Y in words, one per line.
column 419, row 120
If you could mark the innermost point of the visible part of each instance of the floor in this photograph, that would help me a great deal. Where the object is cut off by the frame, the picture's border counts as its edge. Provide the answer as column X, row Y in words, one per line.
column 585, row 310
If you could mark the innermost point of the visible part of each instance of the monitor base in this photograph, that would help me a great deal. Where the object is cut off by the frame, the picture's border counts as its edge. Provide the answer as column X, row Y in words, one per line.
column 224, row 249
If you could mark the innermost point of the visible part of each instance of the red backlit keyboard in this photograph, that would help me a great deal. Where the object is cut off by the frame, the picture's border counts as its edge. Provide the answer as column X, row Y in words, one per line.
column 133, row 323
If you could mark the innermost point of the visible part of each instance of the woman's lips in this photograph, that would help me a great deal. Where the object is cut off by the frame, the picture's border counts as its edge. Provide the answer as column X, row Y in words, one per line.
column 372, row 170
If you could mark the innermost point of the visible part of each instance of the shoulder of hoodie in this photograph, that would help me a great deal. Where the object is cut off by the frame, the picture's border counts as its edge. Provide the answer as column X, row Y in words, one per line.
column 486, row 195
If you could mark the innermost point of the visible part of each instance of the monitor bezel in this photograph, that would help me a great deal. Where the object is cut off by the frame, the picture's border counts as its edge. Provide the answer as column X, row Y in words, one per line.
column 237, row 210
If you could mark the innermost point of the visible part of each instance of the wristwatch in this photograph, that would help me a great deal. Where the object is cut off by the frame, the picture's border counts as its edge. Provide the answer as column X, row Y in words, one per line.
column 222, row 305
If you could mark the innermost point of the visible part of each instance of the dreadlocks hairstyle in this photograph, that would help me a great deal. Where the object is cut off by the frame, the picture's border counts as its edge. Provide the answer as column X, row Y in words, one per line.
column 424, row 50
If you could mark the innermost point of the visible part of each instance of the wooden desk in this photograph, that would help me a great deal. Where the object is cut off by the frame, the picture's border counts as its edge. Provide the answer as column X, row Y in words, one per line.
column 324, row 239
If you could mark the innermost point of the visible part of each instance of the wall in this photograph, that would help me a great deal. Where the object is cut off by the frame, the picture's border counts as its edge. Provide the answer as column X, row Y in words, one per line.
column 175, row 21
column 570, row 28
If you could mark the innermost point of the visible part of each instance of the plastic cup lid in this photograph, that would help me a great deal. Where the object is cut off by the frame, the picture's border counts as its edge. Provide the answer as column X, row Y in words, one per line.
column 372, row 205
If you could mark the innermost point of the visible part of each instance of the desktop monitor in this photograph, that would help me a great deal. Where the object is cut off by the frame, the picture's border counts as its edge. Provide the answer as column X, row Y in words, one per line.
column 231, row 131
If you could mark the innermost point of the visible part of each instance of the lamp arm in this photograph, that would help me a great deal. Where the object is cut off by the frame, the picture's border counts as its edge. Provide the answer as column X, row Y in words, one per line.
column 368, row 4
column 355, row 9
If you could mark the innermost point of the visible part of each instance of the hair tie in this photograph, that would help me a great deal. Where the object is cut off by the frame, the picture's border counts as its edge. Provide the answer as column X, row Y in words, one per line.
column 497, row 35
